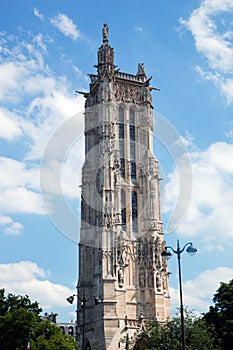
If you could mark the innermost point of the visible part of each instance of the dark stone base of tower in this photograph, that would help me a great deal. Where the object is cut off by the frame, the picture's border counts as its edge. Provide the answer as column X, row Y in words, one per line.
column 121, row 232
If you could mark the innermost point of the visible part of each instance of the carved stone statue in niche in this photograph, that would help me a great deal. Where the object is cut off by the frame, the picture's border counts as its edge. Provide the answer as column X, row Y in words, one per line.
column 164, row 282
column 152, row 167
column 129, row 168
column 120, row 277
column 151, row 279
column 142, row 281
column 116, row 169
column 122, row 254
column 158, row 282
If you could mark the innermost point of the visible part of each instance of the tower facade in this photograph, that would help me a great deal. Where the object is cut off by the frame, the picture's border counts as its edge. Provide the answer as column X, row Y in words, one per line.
column 121, row 237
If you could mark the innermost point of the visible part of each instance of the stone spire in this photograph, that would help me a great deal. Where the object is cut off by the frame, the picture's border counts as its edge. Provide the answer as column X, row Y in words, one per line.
column 105, row 57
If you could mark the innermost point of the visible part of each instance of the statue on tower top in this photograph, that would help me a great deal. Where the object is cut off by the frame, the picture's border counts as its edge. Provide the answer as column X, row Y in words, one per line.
column 105, row 33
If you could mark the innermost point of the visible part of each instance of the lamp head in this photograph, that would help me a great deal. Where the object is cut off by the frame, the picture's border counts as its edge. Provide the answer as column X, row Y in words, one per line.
column 191, row 250
column 97, row 300
column 70, row 299
column 141, row 317
column 166, row 254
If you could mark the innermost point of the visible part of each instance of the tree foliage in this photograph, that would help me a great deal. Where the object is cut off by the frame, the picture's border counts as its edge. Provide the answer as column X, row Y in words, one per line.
column 13, row 302
column 49, row 337
column 212, row 331
column 220, row 316
column 19, row 318
column 167, row 336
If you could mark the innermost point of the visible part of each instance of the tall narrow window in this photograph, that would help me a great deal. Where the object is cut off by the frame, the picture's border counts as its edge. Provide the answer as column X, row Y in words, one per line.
column 132, row 143
column 133, row 169
column 121, row 135
column 134, row 212
column 123, row 210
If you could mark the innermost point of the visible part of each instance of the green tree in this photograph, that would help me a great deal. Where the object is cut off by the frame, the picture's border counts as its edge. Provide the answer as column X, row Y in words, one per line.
column 12, row 302
column 221, row 314
column 19, row 318
column 167, row 336
column 49, row 337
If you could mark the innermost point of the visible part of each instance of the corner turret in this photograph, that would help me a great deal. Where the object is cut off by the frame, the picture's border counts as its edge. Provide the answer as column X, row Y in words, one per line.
column 105, row 65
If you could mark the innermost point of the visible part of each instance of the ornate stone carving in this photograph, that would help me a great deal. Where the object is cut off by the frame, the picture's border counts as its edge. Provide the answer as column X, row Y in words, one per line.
column 122, row 259
column 127, row 93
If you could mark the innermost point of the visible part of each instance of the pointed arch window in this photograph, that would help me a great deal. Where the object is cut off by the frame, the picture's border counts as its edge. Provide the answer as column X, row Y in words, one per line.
column 132, row 125
column 123, row 210
column 121, row 136
column 132, row 143
column 134, row 211
column 133, row 169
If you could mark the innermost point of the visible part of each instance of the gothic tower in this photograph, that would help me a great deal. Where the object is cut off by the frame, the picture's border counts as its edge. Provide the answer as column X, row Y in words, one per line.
column 121, row 237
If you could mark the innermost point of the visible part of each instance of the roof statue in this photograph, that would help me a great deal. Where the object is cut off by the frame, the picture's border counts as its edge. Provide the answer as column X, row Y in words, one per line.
column 105, row 33
column 141, row 69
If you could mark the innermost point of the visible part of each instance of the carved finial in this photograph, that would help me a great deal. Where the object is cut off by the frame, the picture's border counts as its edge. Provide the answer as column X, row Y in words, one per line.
column 105, row 33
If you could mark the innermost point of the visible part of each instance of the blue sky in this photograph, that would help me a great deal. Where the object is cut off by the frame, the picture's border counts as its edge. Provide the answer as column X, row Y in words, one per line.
column 47, row 48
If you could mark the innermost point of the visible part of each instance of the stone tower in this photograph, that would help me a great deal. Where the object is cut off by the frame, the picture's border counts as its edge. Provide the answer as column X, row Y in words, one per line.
column 121, row 237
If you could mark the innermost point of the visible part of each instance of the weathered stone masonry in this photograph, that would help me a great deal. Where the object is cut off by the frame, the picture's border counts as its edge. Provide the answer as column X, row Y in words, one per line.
column 121, row 232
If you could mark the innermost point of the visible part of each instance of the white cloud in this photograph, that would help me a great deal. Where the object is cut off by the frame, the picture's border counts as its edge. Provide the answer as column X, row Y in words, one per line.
column 80, row 74
column 54, row 108
column 138, row 29
column 39, row 40
column 10, row 73
column 27, row 278
column 9, row 226
column 66, row 26
column 229, row 132
column 23, row 70
column 35, row 102
column 10, row 126
column 38, row 14
column 19, row 188
column 14, row 174
column 21, row 200
column 210, row 209
column 14, row 228
column 215, row 46
column 198, row 293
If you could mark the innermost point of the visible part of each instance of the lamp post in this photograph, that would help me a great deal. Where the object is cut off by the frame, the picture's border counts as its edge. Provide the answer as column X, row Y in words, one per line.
column 83, row 302
column 70, row 300
column 166, row 254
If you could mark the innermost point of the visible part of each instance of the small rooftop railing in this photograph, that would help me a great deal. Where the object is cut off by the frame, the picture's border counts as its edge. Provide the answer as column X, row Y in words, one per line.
column 128, row 76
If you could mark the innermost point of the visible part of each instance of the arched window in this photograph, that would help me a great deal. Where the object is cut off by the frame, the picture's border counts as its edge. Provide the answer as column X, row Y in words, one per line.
column 133, row 170
column 87, row 345
column 121, row 115
column 121, row 136
column 63, row 329
column 131, row 117
column 132, row 143
column 123, row 210
column 71, row 331
column 134, row 212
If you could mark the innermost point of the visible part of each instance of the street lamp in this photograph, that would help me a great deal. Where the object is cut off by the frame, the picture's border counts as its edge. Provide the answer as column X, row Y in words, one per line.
column 166, row 254
column 83, row 302
column 70, row 300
